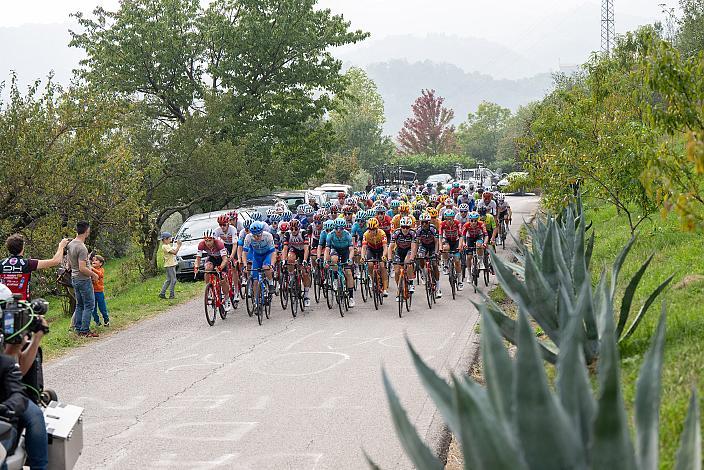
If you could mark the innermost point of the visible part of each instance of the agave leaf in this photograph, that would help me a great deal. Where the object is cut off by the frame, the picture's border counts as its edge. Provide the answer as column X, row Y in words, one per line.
column 487, row 443
column 539, row 301
column 496, row 367
column 579, row 265
column 548, row 262
column 689, row 454
column 618, row 264
column 565, row 276
column 439, row 390
column 541, row 423
column 573, row 385
column 643, row 310
column 588, row 251
column 415, row 448
column 370, row 462
column 628, row 297
column 611, row 445
column 647, row 406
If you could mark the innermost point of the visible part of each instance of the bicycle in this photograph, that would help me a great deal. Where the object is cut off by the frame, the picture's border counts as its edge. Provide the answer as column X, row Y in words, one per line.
column 284, row 282
column 213, row 297
column 261, row 303
column 338, row 286
column 452, row 273
column 364, row 281
column 431, row 284
column 295, row 291
column 377, row 284
column 317, row 278
column 405, row 296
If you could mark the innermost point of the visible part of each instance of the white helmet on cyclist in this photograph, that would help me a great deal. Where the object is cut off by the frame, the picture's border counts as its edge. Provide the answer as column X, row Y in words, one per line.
column 406, row 222
column 464, row 207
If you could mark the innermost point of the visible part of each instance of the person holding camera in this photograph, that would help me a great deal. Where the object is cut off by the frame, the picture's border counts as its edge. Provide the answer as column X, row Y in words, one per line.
column 16, row 271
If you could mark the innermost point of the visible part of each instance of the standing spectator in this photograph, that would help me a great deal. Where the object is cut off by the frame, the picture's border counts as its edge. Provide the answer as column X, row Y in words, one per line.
column 81, row 278
column 169, row 251
column 16, row 271
column 99, row 290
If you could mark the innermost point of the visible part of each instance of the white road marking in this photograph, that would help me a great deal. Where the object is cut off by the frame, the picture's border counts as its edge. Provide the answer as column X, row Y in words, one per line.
column 343, row 357
column 300, row 340
column 207, row 431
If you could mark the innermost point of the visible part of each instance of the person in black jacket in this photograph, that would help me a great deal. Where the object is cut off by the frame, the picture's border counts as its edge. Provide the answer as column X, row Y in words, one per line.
column 13, row 401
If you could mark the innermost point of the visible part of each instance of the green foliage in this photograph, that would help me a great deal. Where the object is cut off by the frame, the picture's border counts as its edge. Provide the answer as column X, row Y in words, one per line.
column 479, row 135
column 426, row 165
column 518, row 422
column 552, row 284
column 690, row 37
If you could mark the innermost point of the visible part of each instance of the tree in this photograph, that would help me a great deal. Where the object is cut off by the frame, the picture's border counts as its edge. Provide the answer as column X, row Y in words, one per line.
column 357, row 119
column 479, row 136
column 690, row 37
column 508, row 156
column 429, row 131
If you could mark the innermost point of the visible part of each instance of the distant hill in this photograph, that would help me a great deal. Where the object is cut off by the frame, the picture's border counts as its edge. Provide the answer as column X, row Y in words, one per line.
column 400, row 83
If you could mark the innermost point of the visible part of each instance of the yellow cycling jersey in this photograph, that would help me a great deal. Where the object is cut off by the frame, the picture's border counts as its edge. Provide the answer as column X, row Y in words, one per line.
column 373, row 240
column 396, row 221
column 489, row 222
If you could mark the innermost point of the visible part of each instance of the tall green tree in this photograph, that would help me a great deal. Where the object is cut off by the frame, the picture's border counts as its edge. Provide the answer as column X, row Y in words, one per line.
column 480, row 134
column 357, row 119
column 508, row 149
column 690, row 36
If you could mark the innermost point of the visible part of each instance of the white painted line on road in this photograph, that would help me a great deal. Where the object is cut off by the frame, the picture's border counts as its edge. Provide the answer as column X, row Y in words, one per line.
column 205, row 431
column 344, row 357
column 192, row 403
column 300, row 340
column 208, row 339
column 339, row 332
column 172, row 461
column 133, row 403
column 332, row 403
column 262, row 403
column 171, row 359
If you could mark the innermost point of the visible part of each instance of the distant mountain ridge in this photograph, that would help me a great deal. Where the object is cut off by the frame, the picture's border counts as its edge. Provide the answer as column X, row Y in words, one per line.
column 400, row 83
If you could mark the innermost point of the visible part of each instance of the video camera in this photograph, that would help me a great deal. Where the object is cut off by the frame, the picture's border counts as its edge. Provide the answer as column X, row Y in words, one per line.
column 20, row 316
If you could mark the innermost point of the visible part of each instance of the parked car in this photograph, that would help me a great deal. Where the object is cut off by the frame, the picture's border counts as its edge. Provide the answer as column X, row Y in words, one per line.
column 443, row 178
column 331, row 190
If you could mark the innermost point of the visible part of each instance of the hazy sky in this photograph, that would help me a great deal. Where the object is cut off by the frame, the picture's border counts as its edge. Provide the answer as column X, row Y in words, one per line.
column 478, row 18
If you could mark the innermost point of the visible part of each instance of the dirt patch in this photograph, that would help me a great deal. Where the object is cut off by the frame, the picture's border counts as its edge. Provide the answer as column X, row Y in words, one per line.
column 688, row 280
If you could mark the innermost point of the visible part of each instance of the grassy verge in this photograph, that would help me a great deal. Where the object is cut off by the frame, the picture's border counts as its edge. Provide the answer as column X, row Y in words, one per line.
column 129, row 299
column 678, row 253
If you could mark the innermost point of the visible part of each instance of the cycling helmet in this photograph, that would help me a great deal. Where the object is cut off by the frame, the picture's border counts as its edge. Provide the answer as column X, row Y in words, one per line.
column 328, row 225
column 501, row 199
column 247, row 224
column 424, row 217
column 428, row 185
column 256, row 216
column 327, row 204
column 372, row 197
column 270, row 211
column 487, row 194
column 395, row 204
column 433, row 212
column 276, row 218
column 341, row 195
column 295, row 224
column 433, row 198
column 464, row 192
column 448, row 214
column 473, row 216
column 223, row 220
column 379, row 189
column 287, row 215
column 380, row 209
column 394, row 194
column 308, row 210
column 455, row 184
column 257, row 227
column 410, row 192
column 482, row 211
column 464, row 207
column 442, row 198
column 404, row 209
column 406, row 222
column 318, row 217
column 416, row 213
column 340, row 224
column 334, row 210
column 300, row 208
column 425, row 192
column 462, row 186
column 347, row 210
column 361, row 216
column 448, row 202
column 372, row 224
column 284, row 226
column 422, row 203
column 233, row 215
column 208, row 235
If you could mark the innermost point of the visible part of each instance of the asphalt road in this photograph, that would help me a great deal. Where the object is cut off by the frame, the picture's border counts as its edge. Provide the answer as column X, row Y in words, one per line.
column 303, row 393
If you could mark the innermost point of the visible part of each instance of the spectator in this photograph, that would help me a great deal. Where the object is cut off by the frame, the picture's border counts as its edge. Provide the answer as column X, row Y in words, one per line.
column 99, row 290
column 16, row 271
column 81, row 279
column 13, row 401
column 170, row 252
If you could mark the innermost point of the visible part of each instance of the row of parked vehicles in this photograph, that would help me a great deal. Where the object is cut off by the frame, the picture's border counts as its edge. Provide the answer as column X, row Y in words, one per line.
column 192, row 229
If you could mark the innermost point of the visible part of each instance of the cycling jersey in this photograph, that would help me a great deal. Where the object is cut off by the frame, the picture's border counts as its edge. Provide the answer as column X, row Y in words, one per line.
column 466, row 200
column 450, row 230
column 357, row 232
column 374, row 239
column 462, row 220
column 436, row 223
column 323, row 238
column 240, row 237
column 396, row 221
column 489, row 222
column 216, row 250
column 262, row 246
column 402, row 240
column 314, row 230
column 490, row 206
column 441, row 212
column 297, row 242
column 427, row 236
column 15, row 273
column 228, row 236
column 339, row 242
column 385, row 224
column 474, row 232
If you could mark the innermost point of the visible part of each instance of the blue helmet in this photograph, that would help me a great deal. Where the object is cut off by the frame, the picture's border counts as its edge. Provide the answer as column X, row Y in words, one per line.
column 328, row 225
column 257, row 227
column 473, row 216
column 247, row 224
column 340, row 224
column 256, row 216
column 286, row 216
column 275, row 218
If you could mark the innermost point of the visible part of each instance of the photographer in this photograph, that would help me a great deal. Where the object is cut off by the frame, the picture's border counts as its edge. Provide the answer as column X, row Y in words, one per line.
column 23, row 347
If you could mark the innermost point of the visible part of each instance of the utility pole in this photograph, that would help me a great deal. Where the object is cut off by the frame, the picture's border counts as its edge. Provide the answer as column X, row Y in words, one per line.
column 608, row 30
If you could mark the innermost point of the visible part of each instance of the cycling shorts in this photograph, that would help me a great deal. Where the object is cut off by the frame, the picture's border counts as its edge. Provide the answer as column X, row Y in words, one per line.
column 216, row 261
column 229, row 248
column 400, row 255
column 375, row 254
column 472, row 243
column 342, row 253
column 299, row 254
column 425, row 251
column 260, row 260
column 314, row 242
column 453, row 244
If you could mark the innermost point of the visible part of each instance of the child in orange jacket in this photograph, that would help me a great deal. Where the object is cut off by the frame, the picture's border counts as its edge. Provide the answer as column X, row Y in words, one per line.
column 99, row 290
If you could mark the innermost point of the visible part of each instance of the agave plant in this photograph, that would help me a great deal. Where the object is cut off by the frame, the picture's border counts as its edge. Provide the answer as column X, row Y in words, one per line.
column 518, row 422
column 552, row 282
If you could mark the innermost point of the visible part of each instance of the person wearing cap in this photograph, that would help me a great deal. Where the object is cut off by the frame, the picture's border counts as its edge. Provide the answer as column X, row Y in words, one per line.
column 169, row 250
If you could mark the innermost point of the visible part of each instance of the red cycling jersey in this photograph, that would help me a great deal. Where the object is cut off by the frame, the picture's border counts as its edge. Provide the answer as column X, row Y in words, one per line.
column 476, row 231
column 217, row 249
column 450, row 229
column 15, row 273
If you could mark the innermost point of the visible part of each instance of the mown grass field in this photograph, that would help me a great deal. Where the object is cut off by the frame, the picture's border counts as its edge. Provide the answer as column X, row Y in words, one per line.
column 678, row 253
column 129, row 297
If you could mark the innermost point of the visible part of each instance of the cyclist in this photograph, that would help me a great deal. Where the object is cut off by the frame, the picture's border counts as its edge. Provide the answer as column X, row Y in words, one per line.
column 490, row 224
column 348, row 216
column 449, row 205
column 296, row 249
column 395, row 207
column 403, row 250
column 503, row 210
column 462, row 217
column 487, row 202
column 474, row 237
column 228, row 234
column 384, row 220
column 340, row 201
column 465, row 198
column 450, row 233
column 455, row 191
column 433, row 213
column 337, row 250
column 374, row 246
column 428, row 240
column 259, row 246
column 216, row 259
column 403, row 211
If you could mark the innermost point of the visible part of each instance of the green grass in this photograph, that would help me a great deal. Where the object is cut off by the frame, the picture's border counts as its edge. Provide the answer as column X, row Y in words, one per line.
column 678, row 253
column 129, row 298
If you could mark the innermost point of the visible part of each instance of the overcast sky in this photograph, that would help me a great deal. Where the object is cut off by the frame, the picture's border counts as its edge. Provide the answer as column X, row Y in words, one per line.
column 489, row 19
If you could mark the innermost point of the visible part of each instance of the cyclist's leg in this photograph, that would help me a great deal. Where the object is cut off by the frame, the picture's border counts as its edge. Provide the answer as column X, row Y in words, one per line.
column 458, row 263
column 209, row 276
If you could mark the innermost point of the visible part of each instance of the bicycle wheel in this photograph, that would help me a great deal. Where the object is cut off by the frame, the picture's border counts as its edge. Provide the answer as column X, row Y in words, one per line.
column 248, row 300
column 475, row 273
column 293, row 291
column 363, row 283
column 222, row 309
column 259, row 309
column 338, row 297
column 453, row 279
column 486, row 276
column 429, row 281
column 210, row 304
column 401, row 296
column 376, row 293
column 266, row 299
column 284, row 290
column 315, row 274
column 329, row 291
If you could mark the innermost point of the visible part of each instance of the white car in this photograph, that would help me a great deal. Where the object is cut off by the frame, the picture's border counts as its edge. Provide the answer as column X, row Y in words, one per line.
column 331, row 190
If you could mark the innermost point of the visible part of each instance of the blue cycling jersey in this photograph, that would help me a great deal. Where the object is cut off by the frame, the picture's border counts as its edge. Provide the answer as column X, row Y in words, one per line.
column 338, row 242
column 358, row 230
column 261, row 246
